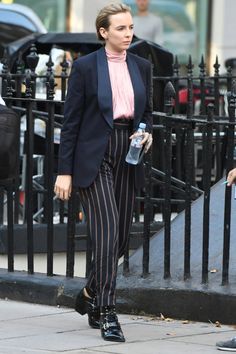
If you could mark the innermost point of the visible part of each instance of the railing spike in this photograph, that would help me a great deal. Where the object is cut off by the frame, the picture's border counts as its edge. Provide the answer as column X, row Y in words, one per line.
column 169, row 90
column 176, row 66
column 190, row 65
column 202, row 67
column 176, row 63
column 19, row 64
column 190, row 60
column 49, row 65
column 50, row 86
column 169, row 94
column 216, row 66
column 32, row 58
column 64, row 65
column 202, row 61
column 50, row 91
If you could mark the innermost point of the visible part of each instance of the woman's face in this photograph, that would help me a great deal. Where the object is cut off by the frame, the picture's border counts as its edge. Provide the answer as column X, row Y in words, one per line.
column 120, row 32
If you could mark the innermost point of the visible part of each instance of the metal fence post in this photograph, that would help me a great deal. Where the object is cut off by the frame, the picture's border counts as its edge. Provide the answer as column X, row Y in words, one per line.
column 29, row 172
column 227, row 210
column 169, row 94
column 189, row 175
column 217, row 112
column 207, row 161
column 49, row 159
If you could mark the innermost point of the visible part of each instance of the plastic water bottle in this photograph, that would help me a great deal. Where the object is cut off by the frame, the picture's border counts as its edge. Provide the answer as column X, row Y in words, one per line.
column 135, row 147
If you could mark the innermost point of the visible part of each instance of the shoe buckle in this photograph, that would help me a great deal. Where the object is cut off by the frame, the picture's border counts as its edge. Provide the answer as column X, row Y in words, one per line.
column 106, row 325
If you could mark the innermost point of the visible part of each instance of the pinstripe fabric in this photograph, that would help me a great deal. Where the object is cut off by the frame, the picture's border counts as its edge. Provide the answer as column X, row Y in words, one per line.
column 108, row 205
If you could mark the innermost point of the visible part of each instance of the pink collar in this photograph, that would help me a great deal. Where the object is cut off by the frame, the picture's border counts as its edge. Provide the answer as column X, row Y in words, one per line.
column 116, row 57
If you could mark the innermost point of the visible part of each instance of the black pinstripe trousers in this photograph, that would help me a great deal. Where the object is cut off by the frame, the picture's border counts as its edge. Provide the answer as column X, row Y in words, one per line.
column 108, row 205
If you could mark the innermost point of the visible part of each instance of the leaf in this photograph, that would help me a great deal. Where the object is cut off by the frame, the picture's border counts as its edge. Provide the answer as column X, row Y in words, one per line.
column 162, row 317
column 168, row 319
column 214, row 271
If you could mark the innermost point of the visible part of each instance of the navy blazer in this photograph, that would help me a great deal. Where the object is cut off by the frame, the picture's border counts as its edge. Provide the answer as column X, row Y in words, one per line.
column 88, row 112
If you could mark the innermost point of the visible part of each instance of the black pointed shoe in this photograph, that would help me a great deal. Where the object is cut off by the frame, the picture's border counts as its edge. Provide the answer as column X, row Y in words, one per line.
column 84, row 304
column 94, row 316
column 110, row 327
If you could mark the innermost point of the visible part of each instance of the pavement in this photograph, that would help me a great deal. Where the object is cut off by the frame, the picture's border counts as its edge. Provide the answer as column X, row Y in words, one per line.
column 32, row 328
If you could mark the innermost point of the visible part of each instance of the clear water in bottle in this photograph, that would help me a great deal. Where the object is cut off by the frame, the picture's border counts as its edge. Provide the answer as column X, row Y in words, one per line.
column 135, row 147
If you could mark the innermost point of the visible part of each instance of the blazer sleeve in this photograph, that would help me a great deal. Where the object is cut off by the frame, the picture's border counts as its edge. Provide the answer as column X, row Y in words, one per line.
column 147, row 116
column 73, row 113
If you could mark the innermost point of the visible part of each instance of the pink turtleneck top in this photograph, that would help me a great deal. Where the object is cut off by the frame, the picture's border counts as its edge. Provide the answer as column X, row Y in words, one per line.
column 121, row 85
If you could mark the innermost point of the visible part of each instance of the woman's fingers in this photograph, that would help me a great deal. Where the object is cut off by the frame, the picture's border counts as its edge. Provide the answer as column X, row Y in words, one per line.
column 62, row 193
column 148, row 144
column 135, row 135
column 63, row 187
column 231, row 178
column 147, row 140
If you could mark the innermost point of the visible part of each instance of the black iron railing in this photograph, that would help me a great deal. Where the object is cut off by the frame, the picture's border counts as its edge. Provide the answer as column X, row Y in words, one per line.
column 193, row 148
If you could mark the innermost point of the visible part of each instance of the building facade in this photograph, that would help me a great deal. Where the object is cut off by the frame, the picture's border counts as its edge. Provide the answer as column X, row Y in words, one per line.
column 191, row 27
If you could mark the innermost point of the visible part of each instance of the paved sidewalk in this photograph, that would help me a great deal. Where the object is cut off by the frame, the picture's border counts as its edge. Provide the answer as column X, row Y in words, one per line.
column 30, row 328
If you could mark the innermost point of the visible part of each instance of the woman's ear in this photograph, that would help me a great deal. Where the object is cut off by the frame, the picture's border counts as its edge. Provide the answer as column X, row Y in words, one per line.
column 103, row 32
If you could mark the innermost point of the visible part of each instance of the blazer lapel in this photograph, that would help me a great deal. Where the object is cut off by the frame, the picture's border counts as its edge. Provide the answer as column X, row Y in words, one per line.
column 138, row 87
column 104, row 87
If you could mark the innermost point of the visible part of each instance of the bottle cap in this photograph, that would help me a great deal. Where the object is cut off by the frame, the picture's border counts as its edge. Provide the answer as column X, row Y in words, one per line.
column 142, row 125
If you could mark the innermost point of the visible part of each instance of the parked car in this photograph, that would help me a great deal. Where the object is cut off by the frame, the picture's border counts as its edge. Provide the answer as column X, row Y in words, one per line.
column 17, row 21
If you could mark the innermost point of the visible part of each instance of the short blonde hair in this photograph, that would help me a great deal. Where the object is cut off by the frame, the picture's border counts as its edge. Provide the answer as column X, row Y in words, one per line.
column 103, row 17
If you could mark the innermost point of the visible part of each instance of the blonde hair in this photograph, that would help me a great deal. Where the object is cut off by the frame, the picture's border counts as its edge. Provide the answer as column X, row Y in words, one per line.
column 103, row 17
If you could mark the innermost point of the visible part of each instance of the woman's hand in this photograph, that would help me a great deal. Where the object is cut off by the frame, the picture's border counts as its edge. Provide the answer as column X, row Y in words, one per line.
column 63, row 187
column 147, row 140
column 231, row 178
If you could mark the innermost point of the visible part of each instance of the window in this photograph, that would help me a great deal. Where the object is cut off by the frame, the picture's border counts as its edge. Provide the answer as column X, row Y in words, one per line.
column 51, row 12
column 184, row 23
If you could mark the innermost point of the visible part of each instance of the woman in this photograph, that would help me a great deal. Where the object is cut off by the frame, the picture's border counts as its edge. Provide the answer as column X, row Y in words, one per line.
column 109, row 94
column 230, row 344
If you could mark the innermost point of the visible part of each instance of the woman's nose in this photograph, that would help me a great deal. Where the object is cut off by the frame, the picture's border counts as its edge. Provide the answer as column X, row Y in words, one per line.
column 129, row 33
